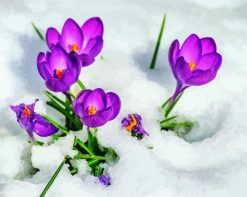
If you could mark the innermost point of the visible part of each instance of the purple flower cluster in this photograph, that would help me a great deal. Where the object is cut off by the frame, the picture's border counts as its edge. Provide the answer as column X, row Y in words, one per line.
column 133, row 123
column 75, row 47
column 31, row 121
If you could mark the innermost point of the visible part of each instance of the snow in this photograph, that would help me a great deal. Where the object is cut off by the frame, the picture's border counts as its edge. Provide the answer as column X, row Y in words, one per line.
column 212, row 162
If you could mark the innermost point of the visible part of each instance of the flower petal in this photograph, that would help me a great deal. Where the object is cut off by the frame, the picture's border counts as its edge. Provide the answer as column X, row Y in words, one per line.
column 42, row 66
column 71, row 34
column 113, row 101
column 182, row 70
column 201, row 77
column 173, row 53
column 56, row 85
column 208, row 45
column 79, row 100
column 191, row 49
column 210, row 61
column 70, row 76
column 98, row 119
column 97, row 99
column 43, row 128
column 92, row 28
column 93, row 46
column 52, row 37
column 59, row 59
column 86, row 60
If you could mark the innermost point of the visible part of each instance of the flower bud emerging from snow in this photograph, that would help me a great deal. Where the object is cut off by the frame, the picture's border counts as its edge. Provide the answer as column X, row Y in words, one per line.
column 105, row 180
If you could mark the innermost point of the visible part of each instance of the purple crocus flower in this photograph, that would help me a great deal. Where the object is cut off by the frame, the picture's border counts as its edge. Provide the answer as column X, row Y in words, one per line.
column 195, row 63
column 86, row 40
column 133, row 123
column 59, row 69
column 31, row 121
column 105, row 180
column 96, row 108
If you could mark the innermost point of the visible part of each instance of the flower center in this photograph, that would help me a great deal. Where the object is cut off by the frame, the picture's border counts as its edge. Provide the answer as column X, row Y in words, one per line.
column 192, row 66
column 59, row 73
column 26, row 112
column 133, row 123
column 92, row 110
column 74, row 47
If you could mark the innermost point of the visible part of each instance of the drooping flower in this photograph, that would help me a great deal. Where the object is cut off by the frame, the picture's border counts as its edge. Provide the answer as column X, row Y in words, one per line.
column 31, row 121
column 105, row 180
column 95, row 107
column 195, row 63
column 59, row 69
column 132, row 123
column 86, row 40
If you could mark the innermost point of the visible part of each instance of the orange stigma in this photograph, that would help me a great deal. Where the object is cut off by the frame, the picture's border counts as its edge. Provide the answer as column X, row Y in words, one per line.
column 74, row 47
column 26, row 112
column 192, row 66
column 59, row 73
column 92, row 110
column 133, row 123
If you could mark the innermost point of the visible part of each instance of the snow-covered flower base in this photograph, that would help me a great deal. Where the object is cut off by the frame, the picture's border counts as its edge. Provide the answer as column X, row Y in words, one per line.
column 211, row 162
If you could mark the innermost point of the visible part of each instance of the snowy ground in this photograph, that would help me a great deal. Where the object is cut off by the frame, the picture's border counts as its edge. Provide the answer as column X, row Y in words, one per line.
column 214, row 163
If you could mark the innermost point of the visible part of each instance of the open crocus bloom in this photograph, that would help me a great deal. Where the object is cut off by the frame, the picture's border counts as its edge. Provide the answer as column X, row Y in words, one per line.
column 59, row 69
column 95, row 107
column 133, row 123
column 86, row 40
column 195, row 63
column 31, row 121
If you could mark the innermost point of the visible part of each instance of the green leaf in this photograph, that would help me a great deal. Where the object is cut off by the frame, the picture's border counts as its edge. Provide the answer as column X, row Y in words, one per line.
column 152, row 65
column 54, row 98
column 168, row 119
column 165, row 103
column 170, row 108
column 38, row 31
column 82, row 86
column 52, row 179
column 111, row 155
column 172, row 126
column 79, row 143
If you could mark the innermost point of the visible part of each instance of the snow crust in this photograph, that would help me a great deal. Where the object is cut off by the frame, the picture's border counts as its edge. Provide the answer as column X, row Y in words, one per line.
column 212, row 162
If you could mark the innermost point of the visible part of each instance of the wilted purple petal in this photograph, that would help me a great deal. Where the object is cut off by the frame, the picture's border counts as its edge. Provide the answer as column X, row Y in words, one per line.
column 43, row 128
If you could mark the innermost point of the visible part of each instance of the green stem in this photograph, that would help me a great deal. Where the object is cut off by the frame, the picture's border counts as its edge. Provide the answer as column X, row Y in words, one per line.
column 52, row 179
column 52, row 96
column 82, row 86
column 72, row 95
column 89, row 157
column 152, row 65
column 82, row 145
column 64, row 130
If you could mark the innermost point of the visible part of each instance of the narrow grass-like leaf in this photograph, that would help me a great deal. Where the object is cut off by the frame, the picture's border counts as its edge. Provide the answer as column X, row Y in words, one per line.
column 47, row 187
column 38, row 31
column 81, row 84
column 64, row 130
column 152, row 65
column 168, row 119
column 165, row 103
column 170, row 108
column 82, row 145
column 53, row 97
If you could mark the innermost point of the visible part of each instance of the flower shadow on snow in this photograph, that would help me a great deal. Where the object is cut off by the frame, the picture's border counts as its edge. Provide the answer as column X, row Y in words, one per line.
column 162, row 73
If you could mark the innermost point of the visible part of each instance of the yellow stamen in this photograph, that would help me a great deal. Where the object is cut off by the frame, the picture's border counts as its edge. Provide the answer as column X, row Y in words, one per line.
column 59, row 73
column 26, row 112
column 133, row 123
column 92, row 110
column 74, row 47
column 192, row 66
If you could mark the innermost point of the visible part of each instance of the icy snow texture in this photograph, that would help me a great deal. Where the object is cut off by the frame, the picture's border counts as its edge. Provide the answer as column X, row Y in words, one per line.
column 213, row 163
